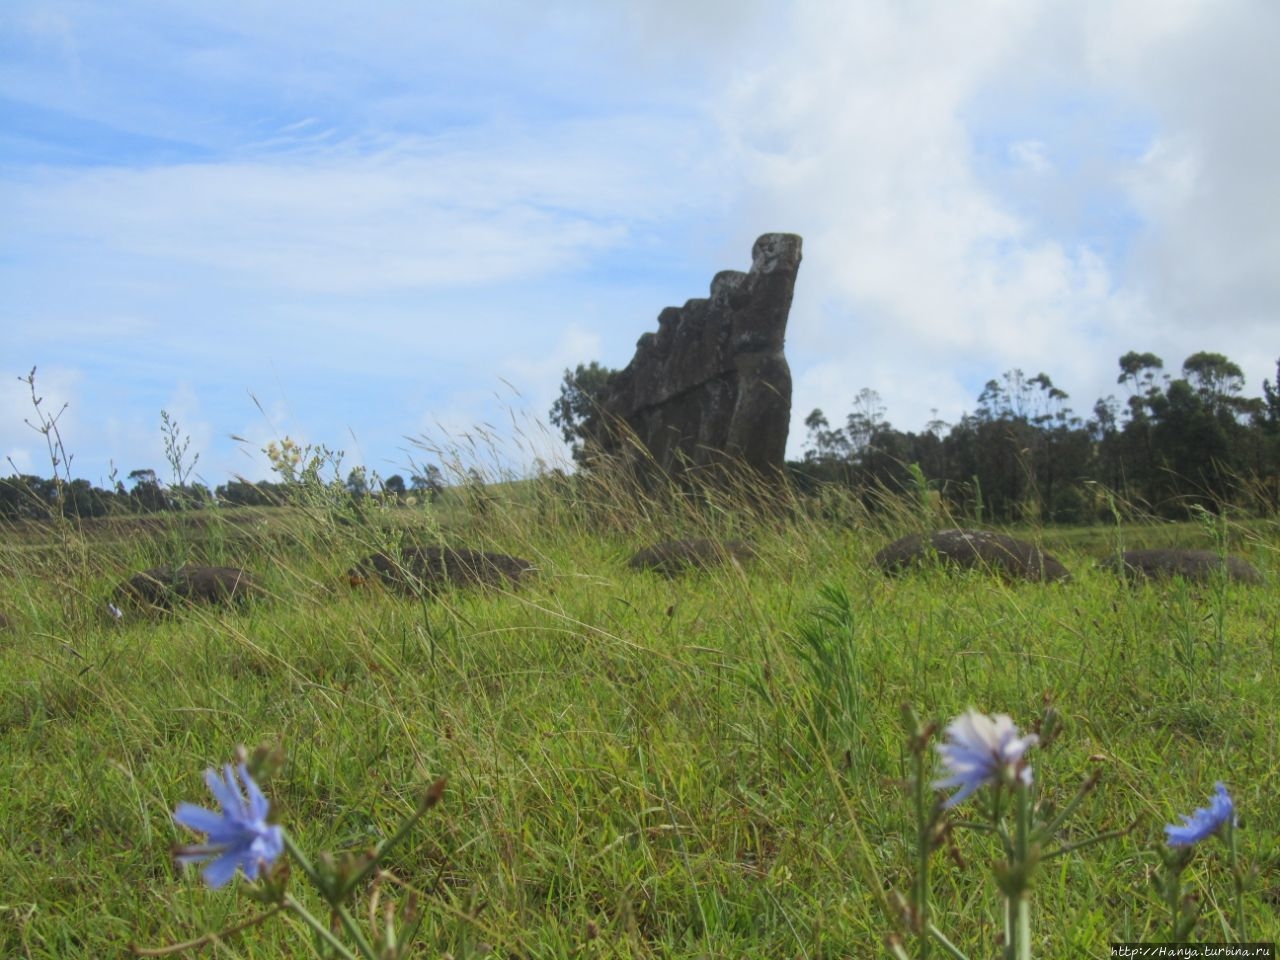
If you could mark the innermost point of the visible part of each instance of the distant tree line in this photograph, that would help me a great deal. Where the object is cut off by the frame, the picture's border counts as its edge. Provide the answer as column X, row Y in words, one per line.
column 1171, row 444
column 27, row 497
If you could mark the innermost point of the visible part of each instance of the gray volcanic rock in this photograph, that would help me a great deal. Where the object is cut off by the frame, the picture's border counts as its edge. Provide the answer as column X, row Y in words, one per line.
column 712, row 386
column 673, row 557
column 428, row 569
column 163, row 588
column 1168, row 562
column 1013, row 559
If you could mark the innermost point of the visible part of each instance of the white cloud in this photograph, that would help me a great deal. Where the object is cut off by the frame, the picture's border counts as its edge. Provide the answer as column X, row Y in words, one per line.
column 575, row 345
column 1207, row 186
column 1032, row 155
column 855, row 136
column 419, row 215
column 921, row 276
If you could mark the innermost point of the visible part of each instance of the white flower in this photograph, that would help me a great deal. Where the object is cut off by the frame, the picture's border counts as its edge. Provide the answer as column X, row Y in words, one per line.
column 979, row 750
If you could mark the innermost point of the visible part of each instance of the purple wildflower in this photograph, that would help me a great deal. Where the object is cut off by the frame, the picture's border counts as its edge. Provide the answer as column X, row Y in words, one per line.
column 1205, row 822
column 239, row 836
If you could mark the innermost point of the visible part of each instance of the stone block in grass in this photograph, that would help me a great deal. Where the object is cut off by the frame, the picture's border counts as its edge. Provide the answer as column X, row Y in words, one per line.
column 1008, row 557
column 432, row 568
column 164, row 588
column 1194, row 565
column 673, row 557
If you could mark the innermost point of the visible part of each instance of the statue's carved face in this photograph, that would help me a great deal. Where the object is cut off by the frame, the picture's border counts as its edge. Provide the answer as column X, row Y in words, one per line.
column 774, row 250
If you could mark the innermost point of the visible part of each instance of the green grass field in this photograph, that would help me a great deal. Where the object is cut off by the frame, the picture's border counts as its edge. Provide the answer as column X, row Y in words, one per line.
column 637, row 767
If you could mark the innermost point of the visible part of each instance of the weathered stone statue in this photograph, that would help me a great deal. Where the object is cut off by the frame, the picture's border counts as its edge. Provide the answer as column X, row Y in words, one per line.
column 712, row 387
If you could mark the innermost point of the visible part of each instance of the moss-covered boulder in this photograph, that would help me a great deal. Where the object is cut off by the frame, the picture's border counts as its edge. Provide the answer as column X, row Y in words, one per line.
column 429, row 569
column 1008, row 557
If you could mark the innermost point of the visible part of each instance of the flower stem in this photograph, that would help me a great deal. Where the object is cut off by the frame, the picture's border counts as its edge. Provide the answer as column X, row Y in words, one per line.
column 324, row 887
column 429, row 799
column 950, row 948
column 1237, row 875
column 207, row 939
column 1017, row 900
column 300, row 858
column 924, row 840
column 293, row 906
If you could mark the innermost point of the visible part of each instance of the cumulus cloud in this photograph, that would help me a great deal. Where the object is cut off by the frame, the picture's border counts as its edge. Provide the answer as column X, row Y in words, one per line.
column 913, row 268
column 925, row 274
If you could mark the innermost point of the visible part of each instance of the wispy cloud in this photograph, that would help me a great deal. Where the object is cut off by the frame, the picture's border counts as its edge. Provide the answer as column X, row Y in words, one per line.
column 418, row 214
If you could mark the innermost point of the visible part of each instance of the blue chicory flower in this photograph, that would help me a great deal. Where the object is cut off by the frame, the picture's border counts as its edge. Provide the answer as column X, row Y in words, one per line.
column 239, row 836
column 1205, row 822
column 981, row 750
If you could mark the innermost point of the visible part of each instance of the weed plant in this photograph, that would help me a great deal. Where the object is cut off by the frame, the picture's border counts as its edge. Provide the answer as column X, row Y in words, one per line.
column 708, row 766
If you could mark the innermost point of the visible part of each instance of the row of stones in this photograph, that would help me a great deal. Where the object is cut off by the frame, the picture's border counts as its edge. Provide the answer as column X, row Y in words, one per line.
column 427, row 569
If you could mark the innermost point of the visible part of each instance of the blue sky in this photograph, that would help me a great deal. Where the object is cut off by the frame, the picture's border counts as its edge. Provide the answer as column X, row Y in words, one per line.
column 382, row 226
